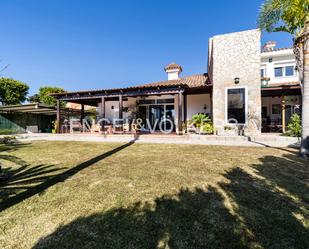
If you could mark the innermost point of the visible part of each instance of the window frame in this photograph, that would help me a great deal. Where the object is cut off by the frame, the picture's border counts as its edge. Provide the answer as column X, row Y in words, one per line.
column 284, row 66
column 293, row 75
column 283, row 71
column 246, row 104
column 263, row 68
column 279, row 109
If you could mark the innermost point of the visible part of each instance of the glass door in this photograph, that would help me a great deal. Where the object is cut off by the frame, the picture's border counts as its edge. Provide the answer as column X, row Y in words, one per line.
column 170, row 116
column 142, row 114
column 156, row 114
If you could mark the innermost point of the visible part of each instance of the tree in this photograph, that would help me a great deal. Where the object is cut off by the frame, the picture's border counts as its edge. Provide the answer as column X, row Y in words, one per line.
column 292, row 16
column 44, row 95
column 12, row 92
column 34, row 98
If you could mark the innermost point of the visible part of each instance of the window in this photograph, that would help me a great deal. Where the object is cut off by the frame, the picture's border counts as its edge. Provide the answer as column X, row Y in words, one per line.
column 276, row 109
column 289, row 71
column 278, row 71
column 236, row 105
column 262, row 72
column 284, row 71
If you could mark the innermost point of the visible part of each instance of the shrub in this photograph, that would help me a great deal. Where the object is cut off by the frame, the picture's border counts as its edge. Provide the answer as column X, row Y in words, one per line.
column 54, row 126
column 294, row 127
column 207, row 128
column 199, row 119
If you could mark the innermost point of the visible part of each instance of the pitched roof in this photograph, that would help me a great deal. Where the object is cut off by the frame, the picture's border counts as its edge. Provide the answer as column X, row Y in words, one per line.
column 193, row 81
column 172, row 66
column 274, row 50
column 282, row 85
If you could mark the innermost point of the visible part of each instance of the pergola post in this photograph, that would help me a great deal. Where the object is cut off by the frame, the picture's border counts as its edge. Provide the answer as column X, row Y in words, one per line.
column 102, row 112
column 283, row 113
column 103, row 107
column 58, row 117
column 180, row 105
column 82, row 115
column 120, row 106
column 185, row 110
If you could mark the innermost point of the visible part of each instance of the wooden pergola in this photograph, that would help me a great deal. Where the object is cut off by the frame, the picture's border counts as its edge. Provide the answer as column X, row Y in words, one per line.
column 96, row 97
column 281, row 91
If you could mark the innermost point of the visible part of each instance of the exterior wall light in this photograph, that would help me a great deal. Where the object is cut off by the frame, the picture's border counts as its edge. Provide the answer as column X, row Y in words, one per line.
column 265, row 81
column 236, row 80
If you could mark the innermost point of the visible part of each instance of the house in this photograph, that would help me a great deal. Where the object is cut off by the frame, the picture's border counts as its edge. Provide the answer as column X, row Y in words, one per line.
column 244, row 88
column 278, row 69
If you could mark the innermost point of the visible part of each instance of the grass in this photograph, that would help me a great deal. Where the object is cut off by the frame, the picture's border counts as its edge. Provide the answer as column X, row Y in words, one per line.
column 10, row 132
column 110, row 195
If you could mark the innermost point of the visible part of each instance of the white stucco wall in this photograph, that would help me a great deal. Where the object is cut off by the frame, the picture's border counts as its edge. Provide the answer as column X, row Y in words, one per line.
column 113, row 113
column 195, row 104
column 271, row 60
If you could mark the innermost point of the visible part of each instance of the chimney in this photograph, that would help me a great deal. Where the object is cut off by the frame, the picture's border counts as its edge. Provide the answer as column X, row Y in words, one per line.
column 269, row 46
column 173, row 70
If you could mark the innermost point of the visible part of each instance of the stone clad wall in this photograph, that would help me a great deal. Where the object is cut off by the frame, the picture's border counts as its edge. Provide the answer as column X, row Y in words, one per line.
column 230, row 56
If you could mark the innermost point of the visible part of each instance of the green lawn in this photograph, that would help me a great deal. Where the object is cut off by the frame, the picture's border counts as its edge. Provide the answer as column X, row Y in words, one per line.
column 111, row 195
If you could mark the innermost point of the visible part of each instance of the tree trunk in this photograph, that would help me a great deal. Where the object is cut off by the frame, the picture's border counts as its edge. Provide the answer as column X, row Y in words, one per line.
column 304, row 149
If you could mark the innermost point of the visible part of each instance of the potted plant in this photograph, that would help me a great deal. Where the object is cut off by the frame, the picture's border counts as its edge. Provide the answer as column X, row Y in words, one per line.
column 207, row 128
column 201, row 120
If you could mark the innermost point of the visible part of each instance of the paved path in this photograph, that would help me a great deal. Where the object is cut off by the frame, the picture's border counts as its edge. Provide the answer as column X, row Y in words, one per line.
column 268, row 140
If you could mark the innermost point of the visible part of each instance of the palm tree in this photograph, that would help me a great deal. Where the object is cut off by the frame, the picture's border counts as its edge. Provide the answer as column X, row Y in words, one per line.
column 292, row 16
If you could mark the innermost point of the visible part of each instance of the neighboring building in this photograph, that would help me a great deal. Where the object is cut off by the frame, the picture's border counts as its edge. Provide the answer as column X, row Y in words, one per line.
column 32, row 117
column 232, row 92
column 278, row 69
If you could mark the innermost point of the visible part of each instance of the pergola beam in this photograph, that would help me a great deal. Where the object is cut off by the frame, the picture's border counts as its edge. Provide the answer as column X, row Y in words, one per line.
column 180, row 116
column 97, row 96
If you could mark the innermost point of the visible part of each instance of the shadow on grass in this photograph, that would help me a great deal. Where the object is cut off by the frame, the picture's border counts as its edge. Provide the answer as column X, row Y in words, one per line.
column 43, row 181
column 190, row 219
column 22, row 179
column 273, row 202
column 263, row 214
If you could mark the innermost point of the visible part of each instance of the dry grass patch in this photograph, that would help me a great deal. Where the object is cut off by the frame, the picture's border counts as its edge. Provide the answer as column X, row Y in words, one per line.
column 111, row 195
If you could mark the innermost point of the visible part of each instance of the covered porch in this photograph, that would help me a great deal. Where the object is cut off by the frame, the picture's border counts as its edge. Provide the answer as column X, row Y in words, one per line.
column 159, row 107
column 144, row 109
column 279, row 103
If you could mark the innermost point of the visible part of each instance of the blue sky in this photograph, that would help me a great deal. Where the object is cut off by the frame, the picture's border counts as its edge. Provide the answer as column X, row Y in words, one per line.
column 103, row 44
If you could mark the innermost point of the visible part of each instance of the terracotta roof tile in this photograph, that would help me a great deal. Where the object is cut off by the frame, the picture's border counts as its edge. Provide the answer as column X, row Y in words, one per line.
column 282, row 85
column 193, row 81
column 197, row 80
column 172, row 66
column 274, row 50
column 291, row 83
